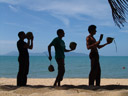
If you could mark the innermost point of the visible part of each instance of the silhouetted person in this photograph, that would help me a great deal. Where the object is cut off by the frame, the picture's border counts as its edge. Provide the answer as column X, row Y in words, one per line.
column 59, row 46
column 92, row 44
column 23, row 58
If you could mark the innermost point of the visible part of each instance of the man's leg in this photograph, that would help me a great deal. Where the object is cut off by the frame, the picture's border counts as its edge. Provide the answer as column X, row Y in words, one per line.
column 61, row 71
column 98, row 77
column 92, row 75
column 19, row 80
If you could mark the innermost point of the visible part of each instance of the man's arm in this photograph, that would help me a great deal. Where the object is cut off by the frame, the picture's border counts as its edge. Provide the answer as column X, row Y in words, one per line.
column 27, row 45
column 101, row 46
column 49, row 51
column 31, row 46
column 65, row 50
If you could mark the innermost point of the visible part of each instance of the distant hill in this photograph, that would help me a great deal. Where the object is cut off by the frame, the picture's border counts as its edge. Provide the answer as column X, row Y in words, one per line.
column 15, row 53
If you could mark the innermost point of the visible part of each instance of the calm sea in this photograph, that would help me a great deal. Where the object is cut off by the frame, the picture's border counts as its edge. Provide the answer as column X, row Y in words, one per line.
column 76, row 67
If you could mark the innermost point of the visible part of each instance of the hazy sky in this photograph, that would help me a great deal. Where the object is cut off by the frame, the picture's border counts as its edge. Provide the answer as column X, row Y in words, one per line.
column 44, row 17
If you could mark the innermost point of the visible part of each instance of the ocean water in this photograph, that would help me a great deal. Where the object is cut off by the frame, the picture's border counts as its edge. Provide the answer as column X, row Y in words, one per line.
column 76, row 67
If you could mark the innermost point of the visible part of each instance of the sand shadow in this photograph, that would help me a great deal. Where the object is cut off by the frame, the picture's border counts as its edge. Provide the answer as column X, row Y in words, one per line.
column 13, row 87
column 106, row 87
column 8, row 87
column 66, row 87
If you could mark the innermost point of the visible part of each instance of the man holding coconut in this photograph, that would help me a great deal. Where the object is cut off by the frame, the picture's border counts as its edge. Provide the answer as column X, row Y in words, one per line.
column 60, row 48
column 92, row 44
column 23, row 58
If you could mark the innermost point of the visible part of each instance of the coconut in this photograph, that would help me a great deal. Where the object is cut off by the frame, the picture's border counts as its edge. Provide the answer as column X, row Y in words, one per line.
column 73, row 45
column 51, row 68
column 109, row 39
column 29, row 35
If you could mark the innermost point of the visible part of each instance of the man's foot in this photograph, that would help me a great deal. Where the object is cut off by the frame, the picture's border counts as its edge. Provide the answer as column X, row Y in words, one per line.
column 55, row 84
column 91, row 86
column 21, row 85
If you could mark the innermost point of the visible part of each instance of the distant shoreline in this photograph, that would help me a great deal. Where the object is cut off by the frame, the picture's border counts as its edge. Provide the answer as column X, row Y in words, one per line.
column 66, row 56
column 15, row 53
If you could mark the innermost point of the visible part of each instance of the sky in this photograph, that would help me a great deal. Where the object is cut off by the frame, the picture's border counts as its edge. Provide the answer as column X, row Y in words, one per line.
column 45, row 17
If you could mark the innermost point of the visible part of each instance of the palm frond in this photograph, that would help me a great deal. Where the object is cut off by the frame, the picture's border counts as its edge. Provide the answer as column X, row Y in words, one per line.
column 119, row 10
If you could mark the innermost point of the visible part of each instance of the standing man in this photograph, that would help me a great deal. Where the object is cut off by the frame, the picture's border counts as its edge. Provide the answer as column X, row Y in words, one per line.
column 23, row 58
column 92, row 44
column 59, row 46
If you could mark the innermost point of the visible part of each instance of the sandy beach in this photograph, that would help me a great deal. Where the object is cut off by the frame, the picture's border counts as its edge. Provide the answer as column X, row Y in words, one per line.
column 70, row 87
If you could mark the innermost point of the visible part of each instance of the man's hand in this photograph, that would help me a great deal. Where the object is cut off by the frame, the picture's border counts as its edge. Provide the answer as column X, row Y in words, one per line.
column 32, row 38
column 98, row 42
column 50, row 58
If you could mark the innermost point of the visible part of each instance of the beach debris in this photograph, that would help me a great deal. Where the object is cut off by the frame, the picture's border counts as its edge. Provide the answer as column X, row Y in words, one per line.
column 123, row 67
